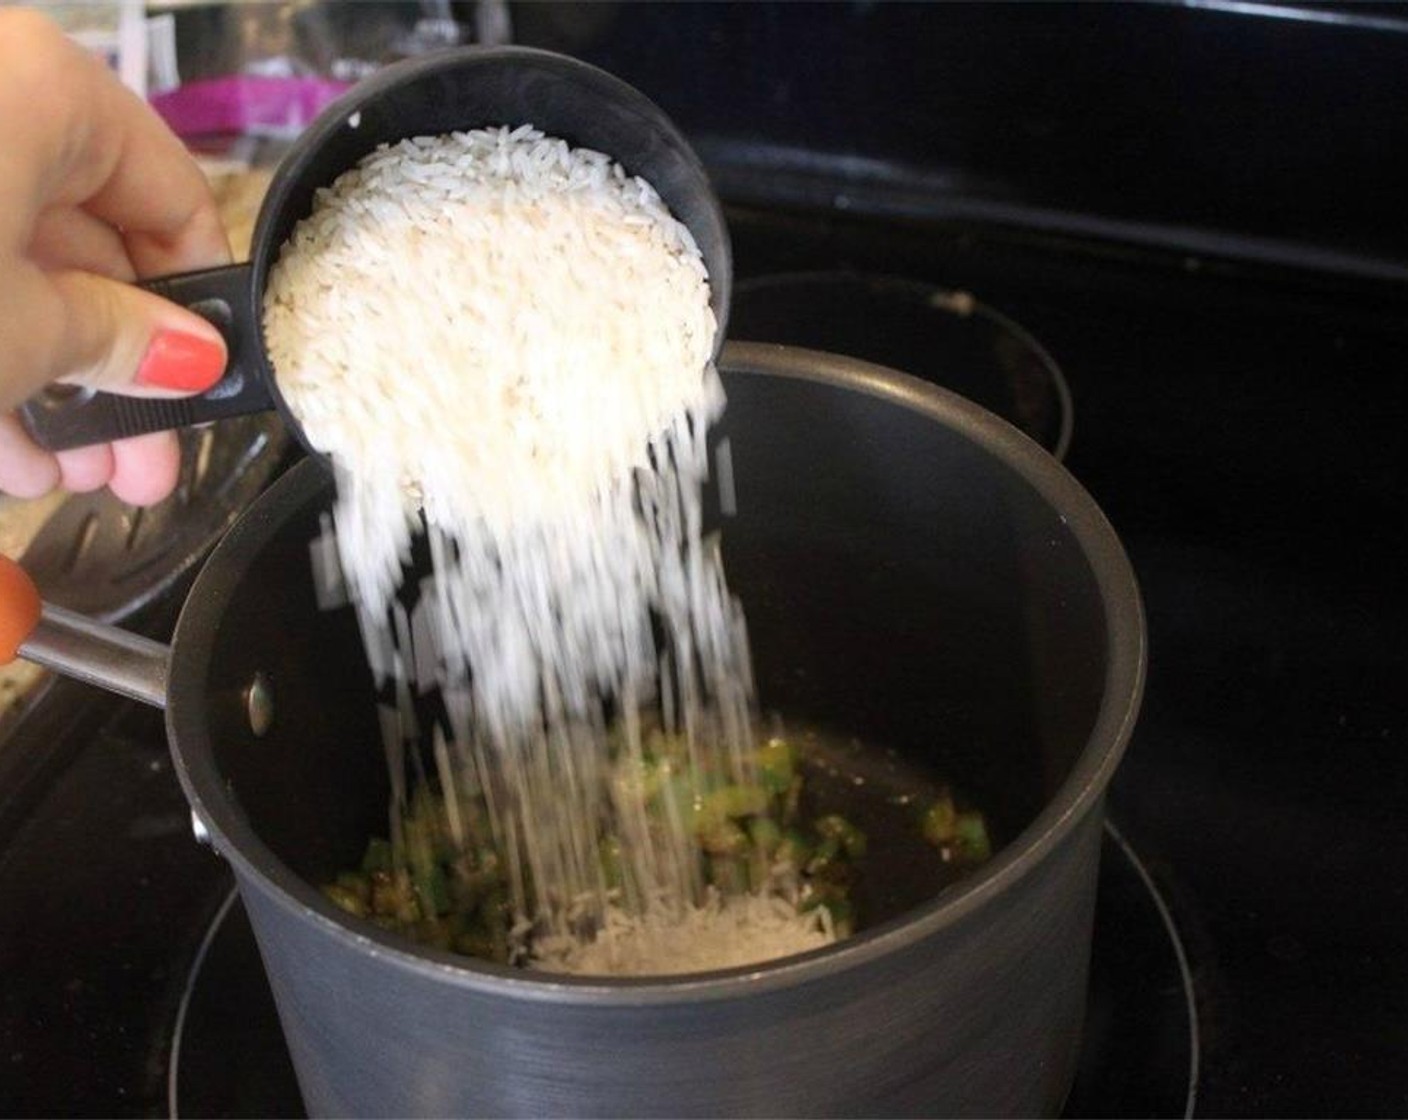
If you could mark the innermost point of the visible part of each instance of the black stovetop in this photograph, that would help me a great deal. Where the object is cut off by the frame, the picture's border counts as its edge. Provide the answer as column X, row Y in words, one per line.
column 1242, row 428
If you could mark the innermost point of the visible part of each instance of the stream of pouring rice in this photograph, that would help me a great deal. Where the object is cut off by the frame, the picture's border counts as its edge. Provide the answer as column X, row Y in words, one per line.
column 512, row 338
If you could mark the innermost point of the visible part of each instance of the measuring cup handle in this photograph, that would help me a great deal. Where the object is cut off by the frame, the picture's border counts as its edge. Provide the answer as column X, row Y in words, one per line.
column 61, row 417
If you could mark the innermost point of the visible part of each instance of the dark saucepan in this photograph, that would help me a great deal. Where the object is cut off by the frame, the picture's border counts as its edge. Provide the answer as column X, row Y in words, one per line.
column 916, row 573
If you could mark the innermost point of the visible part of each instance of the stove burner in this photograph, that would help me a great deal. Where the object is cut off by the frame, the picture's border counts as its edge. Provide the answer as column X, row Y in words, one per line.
column 946, row 337
column 1140, row 1052
column 1139, row 1058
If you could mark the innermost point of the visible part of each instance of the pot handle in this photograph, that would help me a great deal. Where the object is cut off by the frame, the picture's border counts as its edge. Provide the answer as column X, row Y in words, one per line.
column 62, row 417
column 76, row 645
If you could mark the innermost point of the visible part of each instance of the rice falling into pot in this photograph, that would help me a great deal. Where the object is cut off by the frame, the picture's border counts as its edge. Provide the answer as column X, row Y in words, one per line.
column 505, row 342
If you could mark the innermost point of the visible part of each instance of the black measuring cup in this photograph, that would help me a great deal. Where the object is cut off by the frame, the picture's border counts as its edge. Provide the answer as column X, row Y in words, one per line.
column 450, row 91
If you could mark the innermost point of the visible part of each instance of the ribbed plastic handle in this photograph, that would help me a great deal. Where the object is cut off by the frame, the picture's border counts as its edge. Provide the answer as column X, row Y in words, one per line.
column 62, row 417
column 20, row 608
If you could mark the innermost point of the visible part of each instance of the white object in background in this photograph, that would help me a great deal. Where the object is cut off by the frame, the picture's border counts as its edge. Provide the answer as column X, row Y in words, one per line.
column 115, row 32
column 162, row 72
column 132, row 46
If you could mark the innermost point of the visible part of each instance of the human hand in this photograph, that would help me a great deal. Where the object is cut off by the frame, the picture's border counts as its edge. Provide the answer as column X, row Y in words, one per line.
column 95, row 192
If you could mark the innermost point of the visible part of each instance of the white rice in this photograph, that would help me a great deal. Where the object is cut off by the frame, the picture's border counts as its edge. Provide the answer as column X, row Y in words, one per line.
column 721, row 932
column 511, row 338
column 494, row 319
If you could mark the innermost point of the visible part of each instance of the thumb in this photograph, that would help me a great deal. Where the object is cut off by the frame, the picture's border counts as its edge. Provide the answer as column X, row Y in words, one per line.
column 89, row 330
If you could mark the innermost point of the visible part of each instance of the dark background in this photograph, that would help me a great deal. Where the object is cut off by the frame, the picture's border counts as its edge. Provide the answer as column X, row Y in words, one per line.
column 1258, row 130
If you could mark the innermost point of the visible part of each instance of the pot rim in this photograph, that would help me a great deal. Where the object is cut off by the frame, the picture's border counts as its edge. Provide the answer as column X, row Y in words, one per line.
column 961, row 304
column 1080, row 794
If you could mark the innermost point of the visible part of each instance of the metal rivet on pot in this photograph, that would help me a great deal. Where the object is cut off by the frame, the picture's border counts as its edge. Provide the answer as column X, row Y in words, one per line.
column 259, row 704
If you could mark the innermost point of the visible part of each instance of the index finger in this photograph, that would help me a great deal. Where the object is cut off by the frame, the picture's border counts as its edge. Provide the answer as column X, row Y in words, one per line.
column 77, row 136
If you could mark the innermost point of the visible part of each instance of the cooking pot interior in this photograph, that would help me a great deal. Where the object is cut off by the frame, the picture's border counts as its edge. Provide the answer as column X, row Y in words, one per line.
column 903, row 585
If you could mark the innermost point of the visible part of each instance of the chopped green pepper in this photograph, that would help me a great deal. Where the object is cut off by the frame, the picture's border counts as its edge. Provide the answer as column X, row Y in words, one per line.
column 940, row 822
column 449, row 888
column 973, row 843
column 722, row 837
column 378, row 855
column 765, row 834
column 612, row 867
column 776, row 765
column 794, row 849
column 834, row 827
column 735, row 801
column 431, row 889
column 349, row 900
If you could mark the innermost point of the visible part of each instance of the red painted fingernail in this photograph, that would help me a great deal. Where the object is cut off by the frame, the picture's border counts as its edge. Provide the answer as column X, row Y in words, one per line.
column 190, row 363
